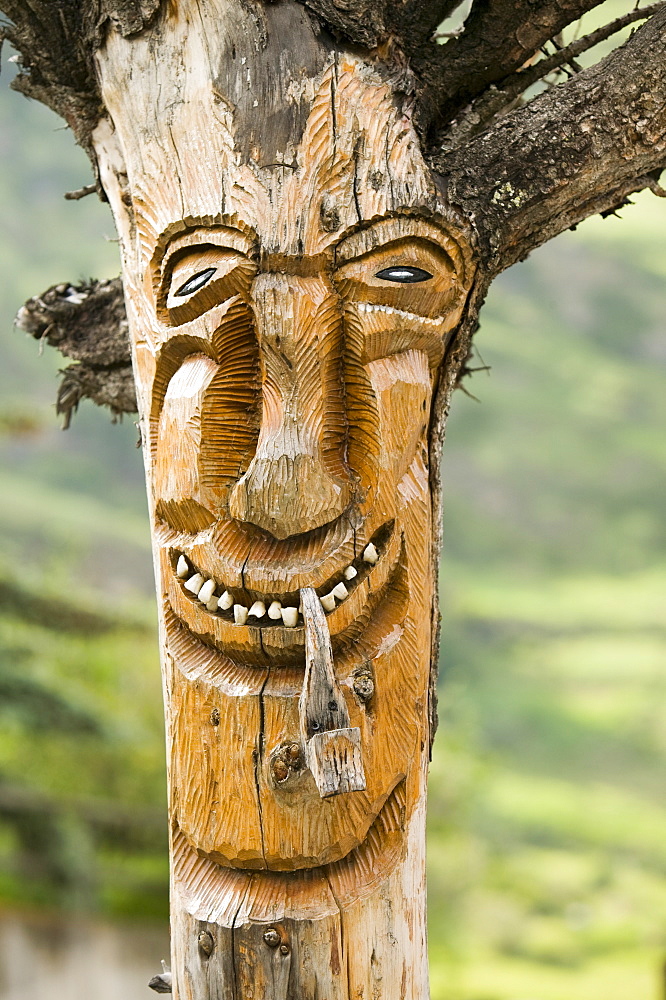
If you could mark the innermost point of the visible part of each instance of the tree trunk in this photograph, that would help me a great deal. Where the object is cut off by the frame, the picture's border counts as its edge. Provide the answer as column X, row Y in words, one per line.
column 293, row 279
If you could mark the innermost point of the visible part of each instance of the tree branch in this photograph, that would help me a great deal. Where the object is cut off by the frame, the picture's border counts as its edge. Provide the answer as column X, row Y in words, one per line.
column 81, row 192
column 508, row 93
column 578, row 149
column 499, row 37
column 56, row 40
column 371, row 22
column 88, row 323
column 524, row 78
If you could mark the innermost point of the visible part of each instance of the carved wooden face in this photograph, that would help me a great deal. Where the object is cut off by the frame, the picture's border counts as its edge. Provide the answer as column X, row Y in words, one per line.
column 289, row 417
column 289, row 326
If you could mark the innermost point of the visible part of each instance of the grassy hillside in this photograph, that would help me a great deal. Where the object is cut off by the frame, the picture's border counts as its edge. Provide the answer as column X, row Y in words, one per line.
column 547, row 818
column 547, row 827
column 82, row 798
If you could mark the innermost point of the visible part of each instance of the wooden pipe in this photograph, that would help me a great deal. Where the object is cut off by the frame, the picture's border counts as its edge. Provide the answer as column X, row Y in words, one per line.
column 332, row 746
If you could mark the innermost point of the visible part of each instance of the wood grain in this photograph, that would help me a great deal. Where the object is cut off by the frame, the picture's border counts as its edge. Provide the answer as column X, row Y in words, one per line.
column 285, row 405
column 332, row 746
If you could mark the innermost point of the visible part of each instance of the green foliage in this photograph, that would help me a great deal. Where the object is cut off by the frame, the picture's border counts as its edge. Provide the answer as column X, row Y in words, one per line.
column 547, row 821
column 547, row 831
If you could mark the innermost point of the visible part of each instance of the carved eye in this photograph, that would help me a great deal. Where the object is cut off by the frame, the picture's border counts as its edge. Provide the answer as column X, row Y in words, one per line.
column 197, row 281
column 404, row 274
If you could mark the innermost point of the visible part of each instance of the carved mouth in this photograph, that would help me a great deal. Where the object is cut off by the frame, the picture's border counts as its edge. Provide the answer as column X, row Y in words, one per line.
column 217, row 599
column 223, row 617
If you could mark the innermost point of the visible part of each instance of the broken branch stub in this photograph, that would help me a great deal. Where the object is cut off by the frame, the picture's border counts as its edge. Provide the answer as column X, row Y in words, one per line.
column 88, row 323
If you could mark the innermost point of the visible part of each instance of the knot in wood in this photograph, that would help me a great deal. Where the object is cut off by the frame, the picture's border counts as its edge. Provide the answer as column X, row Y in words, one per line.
column 206, row 943
column 364, row 686
column 272, row 937
column 329, row 216
column 280, row 769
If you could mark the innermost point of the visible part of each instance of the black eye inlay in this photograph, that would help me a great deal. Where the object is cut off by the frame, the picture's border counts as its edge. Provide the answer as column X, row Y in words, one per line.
column 403, row 273
column 196, row 282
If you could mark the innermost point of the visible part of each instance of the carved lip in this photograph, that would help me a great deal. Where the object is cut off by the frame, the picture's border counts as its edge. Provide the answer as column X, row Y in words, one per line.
column 207, row 886
column 265, row 638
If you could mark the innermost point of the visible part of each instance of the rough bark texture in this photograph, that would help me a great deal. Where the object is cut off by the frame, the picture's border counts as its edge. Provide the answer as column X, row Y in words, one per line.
column 88, row 323
column 369, row 23
column 499, row 37
column 577, row 150
column 56, row 41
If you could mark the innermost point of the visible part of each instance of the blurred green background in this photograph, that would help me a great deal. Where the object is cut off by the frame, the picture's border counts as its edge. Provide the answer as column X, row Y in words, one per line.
column 547, row 837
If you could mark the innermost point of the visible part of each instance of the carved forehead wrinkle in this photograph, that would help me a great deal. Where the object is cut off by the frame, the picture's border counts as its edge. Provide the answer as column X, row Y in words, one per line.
column 334, row 123
column 353, row 131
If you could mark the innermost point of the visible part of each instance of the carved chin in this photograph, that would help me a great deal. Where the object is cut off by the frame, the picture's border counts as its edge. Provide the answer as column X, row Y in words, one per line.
column 259, row 806
column 254, row 628
column 206, row 887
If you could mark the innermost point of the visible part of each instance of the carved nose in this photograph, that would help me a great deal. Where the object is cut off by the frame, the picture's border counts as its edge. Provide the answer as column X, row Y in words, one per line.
column 297, row 480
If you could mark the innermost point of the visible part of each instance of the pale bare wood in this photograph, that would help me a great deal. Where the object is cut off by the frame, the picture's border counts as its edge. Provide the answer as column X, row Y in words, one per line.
column 285, row 392
column 332, row 746
column 335, row 761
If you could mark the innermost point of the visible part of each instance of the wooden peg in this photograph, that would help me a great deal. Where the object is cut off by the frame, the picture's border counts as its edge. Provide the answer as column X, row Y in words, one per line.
column 332, row 746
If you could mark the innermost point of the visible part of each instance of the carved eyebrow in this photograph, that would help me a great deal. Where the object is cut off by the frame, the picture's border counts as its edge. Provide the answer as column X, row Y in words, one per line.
column 196, row 236
column 400, row 229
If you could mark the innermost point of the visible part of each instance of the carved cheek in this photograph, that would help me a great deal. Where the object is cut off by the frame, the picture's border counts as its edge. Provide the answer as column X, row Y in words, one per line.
column 364, row 447
column 388, row 405
column 402, row 388
column 207, row 428
column 179, row 489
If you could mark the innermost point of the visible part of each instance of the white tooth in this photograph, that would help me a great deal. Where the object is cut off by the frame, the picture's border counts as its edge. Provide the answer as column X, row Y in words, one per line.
column 275, row 610
column 258, row 609
column 370, row 554
column 290, row 617
column 212, row 604
column 183, row 567
column 350, row 573
column 328, row 602
column 225, row 602
column 195, row 583
column 206, row 591
column 340, row 591
column 240, row 614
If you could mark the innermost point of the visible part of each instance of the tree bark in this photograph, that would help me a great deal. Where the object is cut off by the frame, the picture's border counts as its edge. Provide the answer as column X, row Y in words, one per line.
column 577, row 150
column 88, row 323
